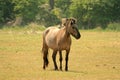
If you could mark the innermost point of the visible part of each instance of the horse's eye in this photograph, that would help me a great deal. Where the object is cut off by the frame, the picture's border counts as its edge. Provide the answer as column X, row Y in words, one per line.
column 72, row 23
column 73, row 27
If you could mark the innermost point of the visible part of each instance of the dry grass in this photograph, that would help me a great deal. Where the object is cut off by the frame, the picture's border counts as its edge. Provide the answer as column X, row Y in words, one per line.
column 96, row 56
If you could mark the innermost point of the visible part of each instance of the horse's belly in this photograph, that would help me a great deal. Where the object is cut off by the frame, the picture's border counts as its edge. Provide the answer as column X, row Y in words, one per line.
column 53, row 45
column 64, row 47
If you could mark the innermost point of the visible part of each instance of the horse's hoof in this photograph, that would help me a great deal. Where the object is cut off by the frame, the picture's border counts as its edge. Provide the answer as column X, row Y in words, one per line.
column 44, row 68
column 66, row 69
column 56, row 69
column 60, row 69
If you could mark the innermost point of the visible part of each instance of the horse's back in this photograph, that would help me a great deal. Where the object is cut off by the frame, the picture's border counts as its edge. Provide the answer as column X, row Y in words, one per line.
column 50, row 30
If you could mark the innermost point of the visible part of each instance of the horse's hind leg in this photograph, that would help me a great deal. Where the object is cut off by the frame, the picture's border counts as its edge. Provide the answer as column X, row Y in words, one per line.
column 60, row 59
column 54, row 59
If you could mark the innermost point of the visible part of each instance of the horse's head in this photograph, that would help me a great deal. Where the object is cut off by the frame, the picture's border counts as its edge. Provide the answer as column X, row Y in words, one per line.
column 72, row 28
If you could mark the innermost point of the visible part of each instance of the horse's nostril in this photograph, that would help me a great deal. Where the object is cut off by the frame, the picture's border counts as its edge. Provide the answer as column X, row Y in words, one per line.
column 78, row 36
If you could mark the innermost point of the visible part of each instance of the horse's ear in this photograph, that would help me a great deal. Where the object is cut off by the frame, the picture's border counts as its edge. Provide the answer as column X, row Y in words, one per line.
column 73, row 21
column 65, row 23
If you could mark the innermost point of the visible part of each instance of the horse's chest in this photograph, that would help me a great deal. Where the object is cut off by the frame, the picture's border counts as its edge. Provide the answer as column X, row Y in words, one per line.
column 64, row 45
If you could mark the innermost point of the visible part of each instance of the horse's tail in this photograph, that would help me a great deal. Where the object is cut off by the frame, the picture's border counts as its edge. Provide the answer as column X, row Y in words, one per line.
column 45, row 54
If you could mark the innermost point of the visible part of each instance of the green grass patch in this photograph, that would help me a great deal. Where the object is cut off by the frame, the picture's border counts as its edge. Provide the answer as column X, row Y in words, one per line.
column 96, row 56
column 31, row 26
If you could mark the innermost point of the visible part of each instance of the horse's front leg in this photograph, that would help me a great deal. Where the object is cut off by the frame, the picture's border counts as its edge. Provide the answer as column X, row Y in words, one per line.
column 54, row 59
column 60, row 59
column 66, row 58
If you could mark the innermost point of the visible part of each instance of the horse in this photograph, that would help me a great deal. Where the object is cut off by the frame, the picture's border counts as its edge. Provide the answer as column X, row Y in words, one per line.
column 59, row 39
column 63, row 21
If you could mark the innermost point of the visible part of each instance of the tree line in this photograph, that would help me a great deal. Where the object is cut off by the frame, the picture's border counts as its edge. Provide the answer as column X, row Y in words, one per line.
column 89, row 13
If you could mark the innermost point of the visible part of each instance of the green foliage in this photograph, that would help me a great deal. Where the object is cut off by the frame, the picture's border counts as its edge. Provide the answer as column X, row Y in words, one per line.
column 114, row 26
column 27, row 9
column 95, row 13
column 64, row 6
column 47, row 18
column 6, row 11
column 57, row 12
column 89, row 13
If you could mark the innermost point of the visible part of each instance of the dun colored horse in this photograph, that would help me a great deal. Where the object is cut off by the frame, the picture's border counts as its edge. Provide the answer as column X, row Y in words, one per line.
column 58, row 40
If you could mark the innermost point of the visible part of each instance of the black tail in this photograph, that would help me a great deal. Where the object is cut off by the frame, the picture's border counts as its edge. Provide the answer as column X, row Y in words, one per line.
column 45, row 56
column 45, row 51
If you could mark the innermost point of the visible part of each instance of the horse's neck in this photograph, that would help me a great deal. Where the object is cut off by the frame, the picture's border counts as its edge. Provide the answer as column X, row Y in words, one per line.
column 66, row 34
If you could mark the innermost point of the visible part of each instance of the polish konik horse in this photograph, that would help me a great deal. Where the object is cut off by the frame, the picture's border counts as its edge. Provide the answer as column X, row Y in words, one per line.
column 58, row 40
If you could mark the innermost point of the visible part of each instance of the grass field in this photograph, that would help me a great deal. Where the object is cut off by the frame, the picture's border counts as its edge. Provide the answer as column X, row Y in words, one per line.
column 96, row 56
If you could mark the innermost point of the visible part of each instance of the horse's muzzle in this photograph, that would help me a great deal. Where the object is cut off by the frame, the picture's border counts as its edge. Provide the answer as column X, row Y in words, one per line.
column 78, row 36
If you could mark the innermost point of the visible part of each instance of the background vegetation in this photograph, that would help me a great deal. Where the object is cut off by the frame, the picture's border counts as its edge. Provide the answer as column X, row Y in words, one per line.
column 89, row 13
column 21, row 25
